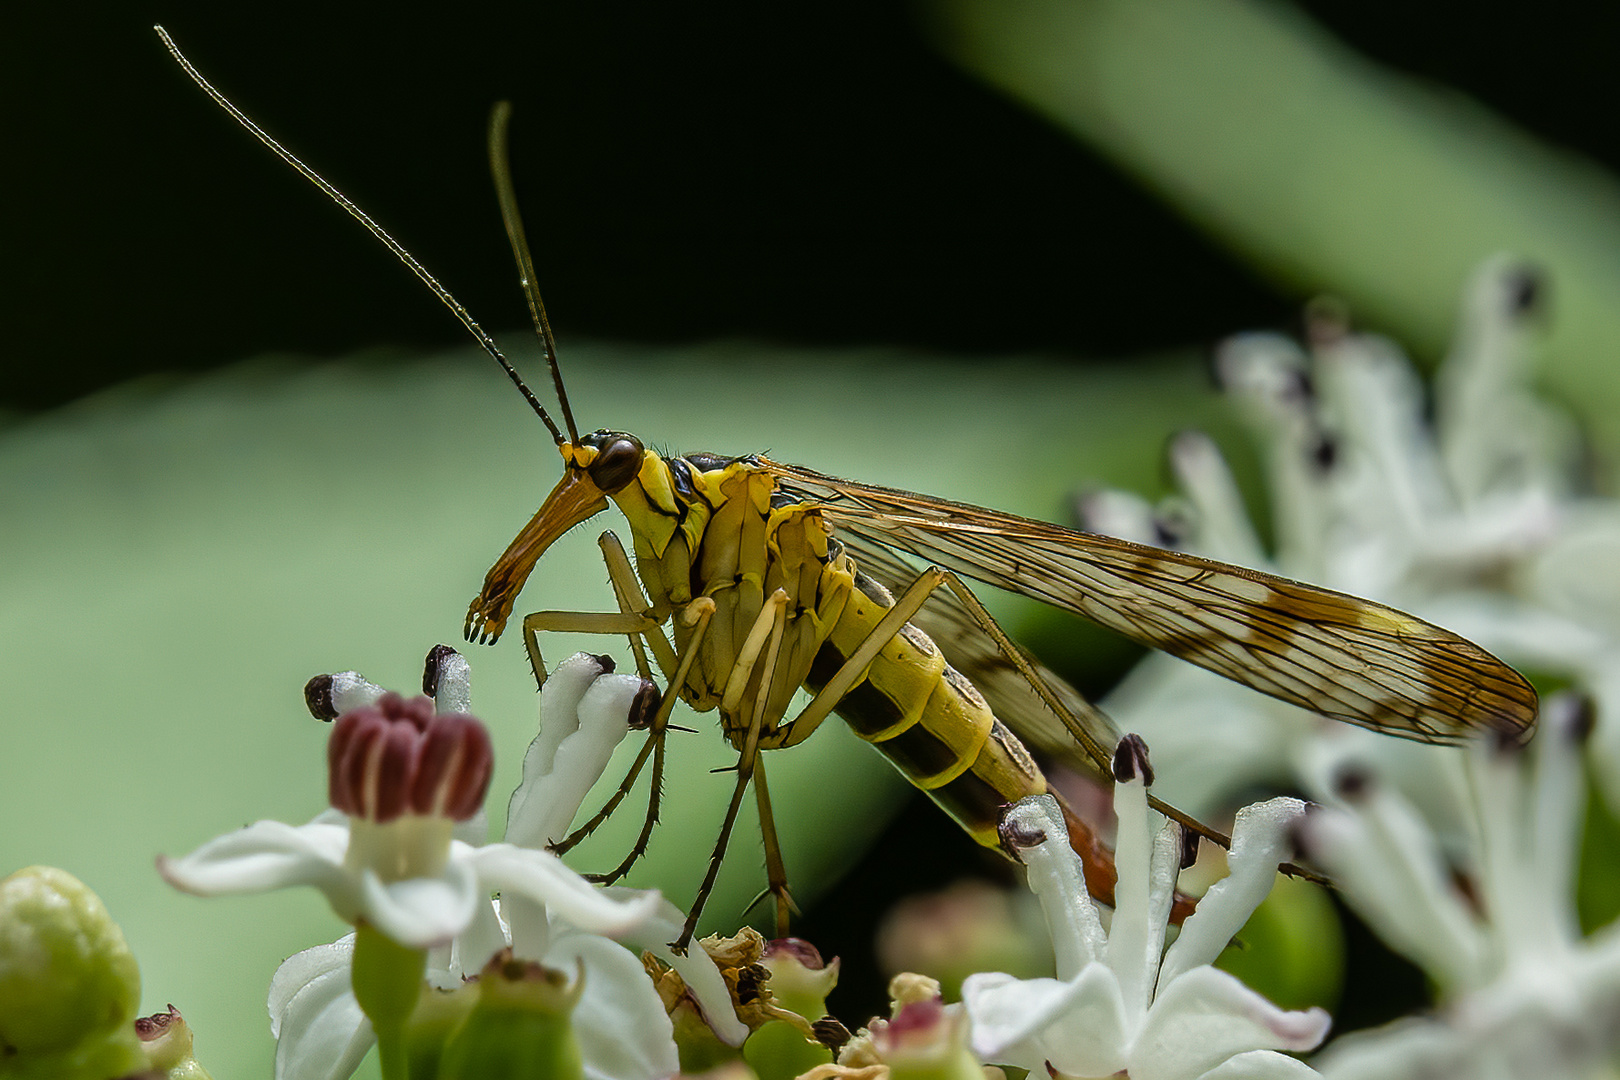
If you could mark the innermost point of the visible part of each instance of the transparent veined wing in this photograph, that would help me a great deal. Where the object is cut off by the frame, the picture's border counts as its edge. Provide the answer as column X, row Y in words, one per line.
column 1342, row 656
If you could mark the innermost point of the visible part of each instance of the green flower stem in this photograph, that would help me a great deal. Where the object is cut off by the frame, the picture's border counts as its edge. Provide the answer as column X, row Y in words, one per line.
column 387, row 984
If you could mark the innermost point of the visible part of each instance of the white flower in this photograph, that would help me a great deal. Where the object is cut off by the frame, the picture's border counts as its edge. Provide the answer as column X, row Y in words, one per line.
column 620, row 1023
column 405, row 775
column 1122, row 1004
column 1522, row 993
column 1468, row 521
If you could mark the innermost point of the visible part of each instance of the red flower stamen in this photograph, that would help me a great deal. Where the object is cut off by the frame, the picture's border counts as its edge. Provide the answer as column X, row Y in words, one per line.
column 397, row 756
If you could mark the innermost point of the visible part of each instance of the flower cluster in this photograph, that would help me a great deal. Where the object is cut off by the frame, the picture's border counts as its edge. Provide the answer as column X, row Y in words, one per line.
column 400, row 856
column 1122, row 1003
column 1522, row 993
column 1471, row 514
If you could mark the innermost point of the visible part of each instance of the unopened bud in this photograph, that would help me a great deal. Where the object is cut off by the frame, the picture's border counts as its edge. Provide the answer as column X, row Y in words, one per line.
column 69, row 986
column 520, row 1028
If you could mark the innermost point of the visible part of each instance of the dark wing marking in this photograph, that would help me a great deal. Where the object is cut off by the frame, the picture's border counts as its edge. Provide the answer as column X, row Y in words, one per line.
column 1342, row 656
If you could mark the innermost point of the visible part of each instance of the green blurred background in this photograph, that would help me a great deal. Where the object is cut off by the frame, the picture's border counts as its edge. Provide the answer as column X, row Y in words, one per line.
column 834, row 193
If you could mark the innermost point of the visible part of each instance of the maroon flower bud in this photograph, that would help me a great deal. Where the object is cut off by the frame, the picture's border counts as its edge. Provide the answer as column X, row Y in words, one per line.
column 157, row 1025
column 916, row 1017
column 398, row 757
column 792, row 948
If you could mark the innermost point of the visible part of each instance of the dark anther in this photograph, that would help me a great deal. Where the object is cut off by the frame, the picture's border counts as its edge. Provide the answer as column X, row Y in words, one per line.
column 434, row 668
column 1526, row 289
column 1582, row 719
column 1299, row 834
column 644, row 706
column 1325, row 452
column 1016, row 836
column 1352, row 782
column 1508, row 740
column 1189, row 847
column 749, row 981
column 830, row 1033
column 1169, row 530
column 1327, row 320
column 1131, row 760
column 1468, row 887
column 318, row 698
column 605, row 662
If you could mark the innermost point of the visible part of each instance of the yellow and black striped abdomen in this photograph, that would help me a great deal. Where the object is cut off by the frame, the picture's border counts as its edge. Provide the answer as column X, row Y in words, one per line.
column 926, row 718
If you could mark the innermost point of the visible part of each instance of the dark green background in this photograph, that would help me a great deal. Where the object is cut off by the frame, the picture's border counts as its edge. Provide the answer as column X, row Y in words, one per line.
column 807, row 173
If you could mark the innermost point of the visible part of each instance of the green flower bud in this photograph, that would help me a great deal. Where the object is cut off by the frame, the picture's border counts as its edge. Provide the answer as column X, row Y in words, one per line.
column 520, row 1027
column 438, row 1015
column 700, row 1049
column 799, row 982
column 779, row 1051
column 69, row 986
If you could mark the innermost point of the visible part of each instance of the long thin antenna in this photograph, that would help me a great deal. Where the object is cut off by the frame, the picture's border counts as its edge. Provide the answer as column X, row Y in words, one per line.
column 500, row 165
column 376, row 230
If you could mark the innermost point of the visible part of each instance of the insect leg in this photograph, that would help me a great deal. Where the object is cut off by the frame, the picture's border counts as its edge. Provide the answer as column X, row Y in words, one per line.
column 776, row 882
column 636, row 625
column 767, row 628
column 602, row 622
column 849, row 673
column 631, row 599
column 577, row 622
column 699, row 612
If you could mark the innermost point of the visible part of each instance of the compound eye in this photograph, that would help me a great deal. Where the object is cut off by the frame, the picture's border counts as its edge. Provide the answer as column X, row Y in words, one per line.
column 617, row 463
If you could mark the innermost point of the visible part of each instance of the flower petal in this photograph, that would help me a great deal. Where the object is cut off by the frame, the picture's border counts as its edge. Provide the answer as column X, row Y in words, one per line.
column 1207, row 1016
column 1135, row 937
column 1406, row 1048
column 543, row 808
column 1057, row 879
column 1389, row 865
column 1224, row 529
column 559, row 718
column 696, row 968
column 453, row 694
column 1261, row 839
column 484, row 937
column 266, row 855
column 541, row 877
column 623, row 1031
column 1261, row 1065
column 1079, row 1026
column 420, row 912
column 321, row 1033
